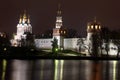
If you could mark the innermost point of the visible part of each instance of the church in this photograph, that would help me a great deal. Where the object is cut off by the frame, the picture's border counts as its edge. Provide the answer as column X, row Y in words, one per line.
column 88, row 45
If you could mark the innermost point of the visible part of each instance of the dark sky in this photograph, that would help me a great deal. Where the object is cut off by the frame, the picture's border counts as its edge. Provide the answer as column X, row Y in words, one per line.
column 76, row 13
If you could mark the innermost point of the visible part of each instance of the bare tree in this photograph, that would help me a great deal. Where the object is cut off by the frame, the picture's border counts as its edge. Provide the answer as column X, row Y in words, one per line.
column 117, row 43
column 107, row 48
column 80, row 43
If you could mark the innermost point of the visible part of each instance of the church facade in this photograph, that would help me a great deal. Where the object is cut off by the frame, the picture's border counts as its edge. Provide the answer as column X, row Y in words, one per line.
column 23, row 28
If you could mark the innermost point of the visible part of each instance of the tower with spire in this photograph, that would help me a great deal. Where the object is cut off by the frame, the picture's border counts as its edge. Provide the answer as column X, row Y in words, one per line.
column 59, row 23
column 59, row 31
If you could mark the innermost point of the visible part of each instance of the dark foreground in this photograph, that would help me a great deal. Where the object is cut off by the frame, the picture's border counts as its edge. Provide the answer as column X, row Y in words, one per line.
column 32, row 53
column 59, row 57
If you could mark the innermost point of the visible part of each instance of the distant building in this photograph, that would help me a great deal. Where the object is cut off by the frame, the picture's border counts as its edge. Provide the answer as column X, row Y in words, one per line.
column 92, row 44
column 24, row 29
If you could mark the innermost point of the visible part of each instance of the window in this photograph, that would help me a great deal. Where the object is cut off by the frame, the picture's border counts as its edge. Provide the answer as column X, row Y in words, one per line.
column 64, row 32
column 92, row 26
column 61, row 31
column 96, row 26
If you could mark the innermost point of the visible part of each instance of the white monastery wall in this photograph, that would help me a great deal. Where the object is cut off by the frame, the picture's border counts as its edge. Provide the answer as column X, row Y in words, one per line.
column 43, row 43
column 70, row 43
column 113, row 50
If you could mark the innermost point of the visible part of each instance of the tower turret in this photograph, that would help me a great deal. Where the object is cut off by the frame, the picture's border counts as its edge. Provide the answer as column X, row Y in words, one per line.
column 25, row 17
column 59, row 23
column 93, row 27
column 20, row 20
column 93, row 30
column 28, row 19
column 58, row 31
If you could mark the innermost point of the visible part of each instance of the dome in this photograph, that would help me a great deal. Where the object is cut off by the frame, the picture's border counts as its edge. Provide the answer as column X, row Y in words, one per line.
column 93, row 26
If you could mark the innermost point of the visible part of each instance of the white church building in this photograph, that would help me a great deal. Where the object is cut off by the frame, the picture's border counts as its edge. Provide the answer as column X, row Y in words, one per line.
column 23, row 27
column 86, row 44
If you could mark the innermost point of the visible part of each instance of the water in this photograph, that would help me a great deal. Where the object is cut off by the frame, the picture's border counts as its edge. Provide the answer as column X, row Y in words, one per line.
column 59, row 70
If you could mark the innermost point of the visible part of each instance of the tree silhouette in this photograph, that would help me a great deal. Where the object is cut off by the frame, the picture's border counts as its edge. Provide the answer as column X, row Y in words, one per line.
column 95, row 45
column 29, row 41
column 54, row 45
column 117, row 43
column 105, row 35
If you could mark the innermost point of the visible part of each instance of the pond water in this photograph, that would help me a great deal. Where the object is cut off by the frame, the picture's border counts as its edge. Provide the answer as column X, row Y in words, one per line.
column 59, row 70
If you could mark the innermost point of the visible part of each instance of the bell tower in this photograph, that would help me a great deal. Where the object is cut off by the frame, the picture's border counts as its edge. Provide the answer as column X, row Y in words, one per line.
column 58, row 31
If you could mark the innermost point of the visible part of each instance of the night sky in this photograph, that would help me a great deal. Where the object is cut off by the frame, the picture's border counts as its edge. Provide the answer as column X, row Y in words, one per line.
column 76, row 14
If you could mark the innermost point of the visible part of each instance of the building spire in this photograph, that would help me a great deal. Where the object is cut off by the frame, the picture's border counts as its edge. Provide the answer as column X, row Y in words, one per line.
column 59, row 17
column 95, row 19
column 59, row 12
column 24, row 15
column 28, row 19
column 20, row 20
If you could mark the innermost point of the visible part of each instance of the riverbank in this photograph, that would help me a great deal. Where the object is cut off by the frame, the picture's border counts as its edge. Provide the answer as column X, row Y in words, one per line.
column 58, row 57
column 32, row 53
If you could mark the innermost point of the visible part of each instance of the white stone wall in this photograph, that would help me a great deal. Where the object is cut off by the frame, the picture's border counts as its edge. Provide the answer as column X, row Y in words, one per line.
column 71, row 43
column 43, row 43
column 112, row 49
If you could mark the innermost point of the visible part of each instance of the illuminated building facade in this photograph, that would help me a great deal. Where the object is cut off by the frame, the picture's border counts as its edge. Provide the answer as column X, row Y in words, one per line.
column 89, row 44
column 86, row 45
column 93, row 33
column 23, row 27
column 59, row 32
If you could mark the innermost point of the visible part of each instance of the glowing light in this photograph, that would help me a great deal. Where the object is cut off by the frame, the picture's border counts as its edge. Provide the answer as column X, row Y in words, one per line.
column 64, row 32
column 114, row 70
column 61, row 69
column 56, row 49
column 99, row 27
column 88, row 27
column 92, row 26
column 56, row 71
column 5, row 49
column 61, row 31
column 4, row 69
column 96, row 26
column 58, row 74
column 1, row 35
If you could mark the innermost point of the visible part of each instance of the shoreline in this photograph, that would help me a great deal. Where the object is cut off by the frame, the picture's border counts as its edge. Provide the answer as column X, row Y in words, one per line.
column 60, row 57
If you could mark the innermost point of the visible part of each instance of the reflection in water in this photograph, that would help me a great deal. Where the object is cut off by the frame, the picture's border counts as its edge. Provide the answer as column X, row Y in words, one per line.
column 58, row 73
column 19, row 70
column 41, row 72
column 114, row 70
column 96, row 70
column 4, row 64
column 59, row 70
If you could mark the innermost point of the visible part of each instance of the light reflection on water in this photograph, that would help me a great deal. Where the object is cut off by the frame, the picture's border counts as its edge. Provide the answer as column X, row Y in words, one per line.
column 59, row 70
